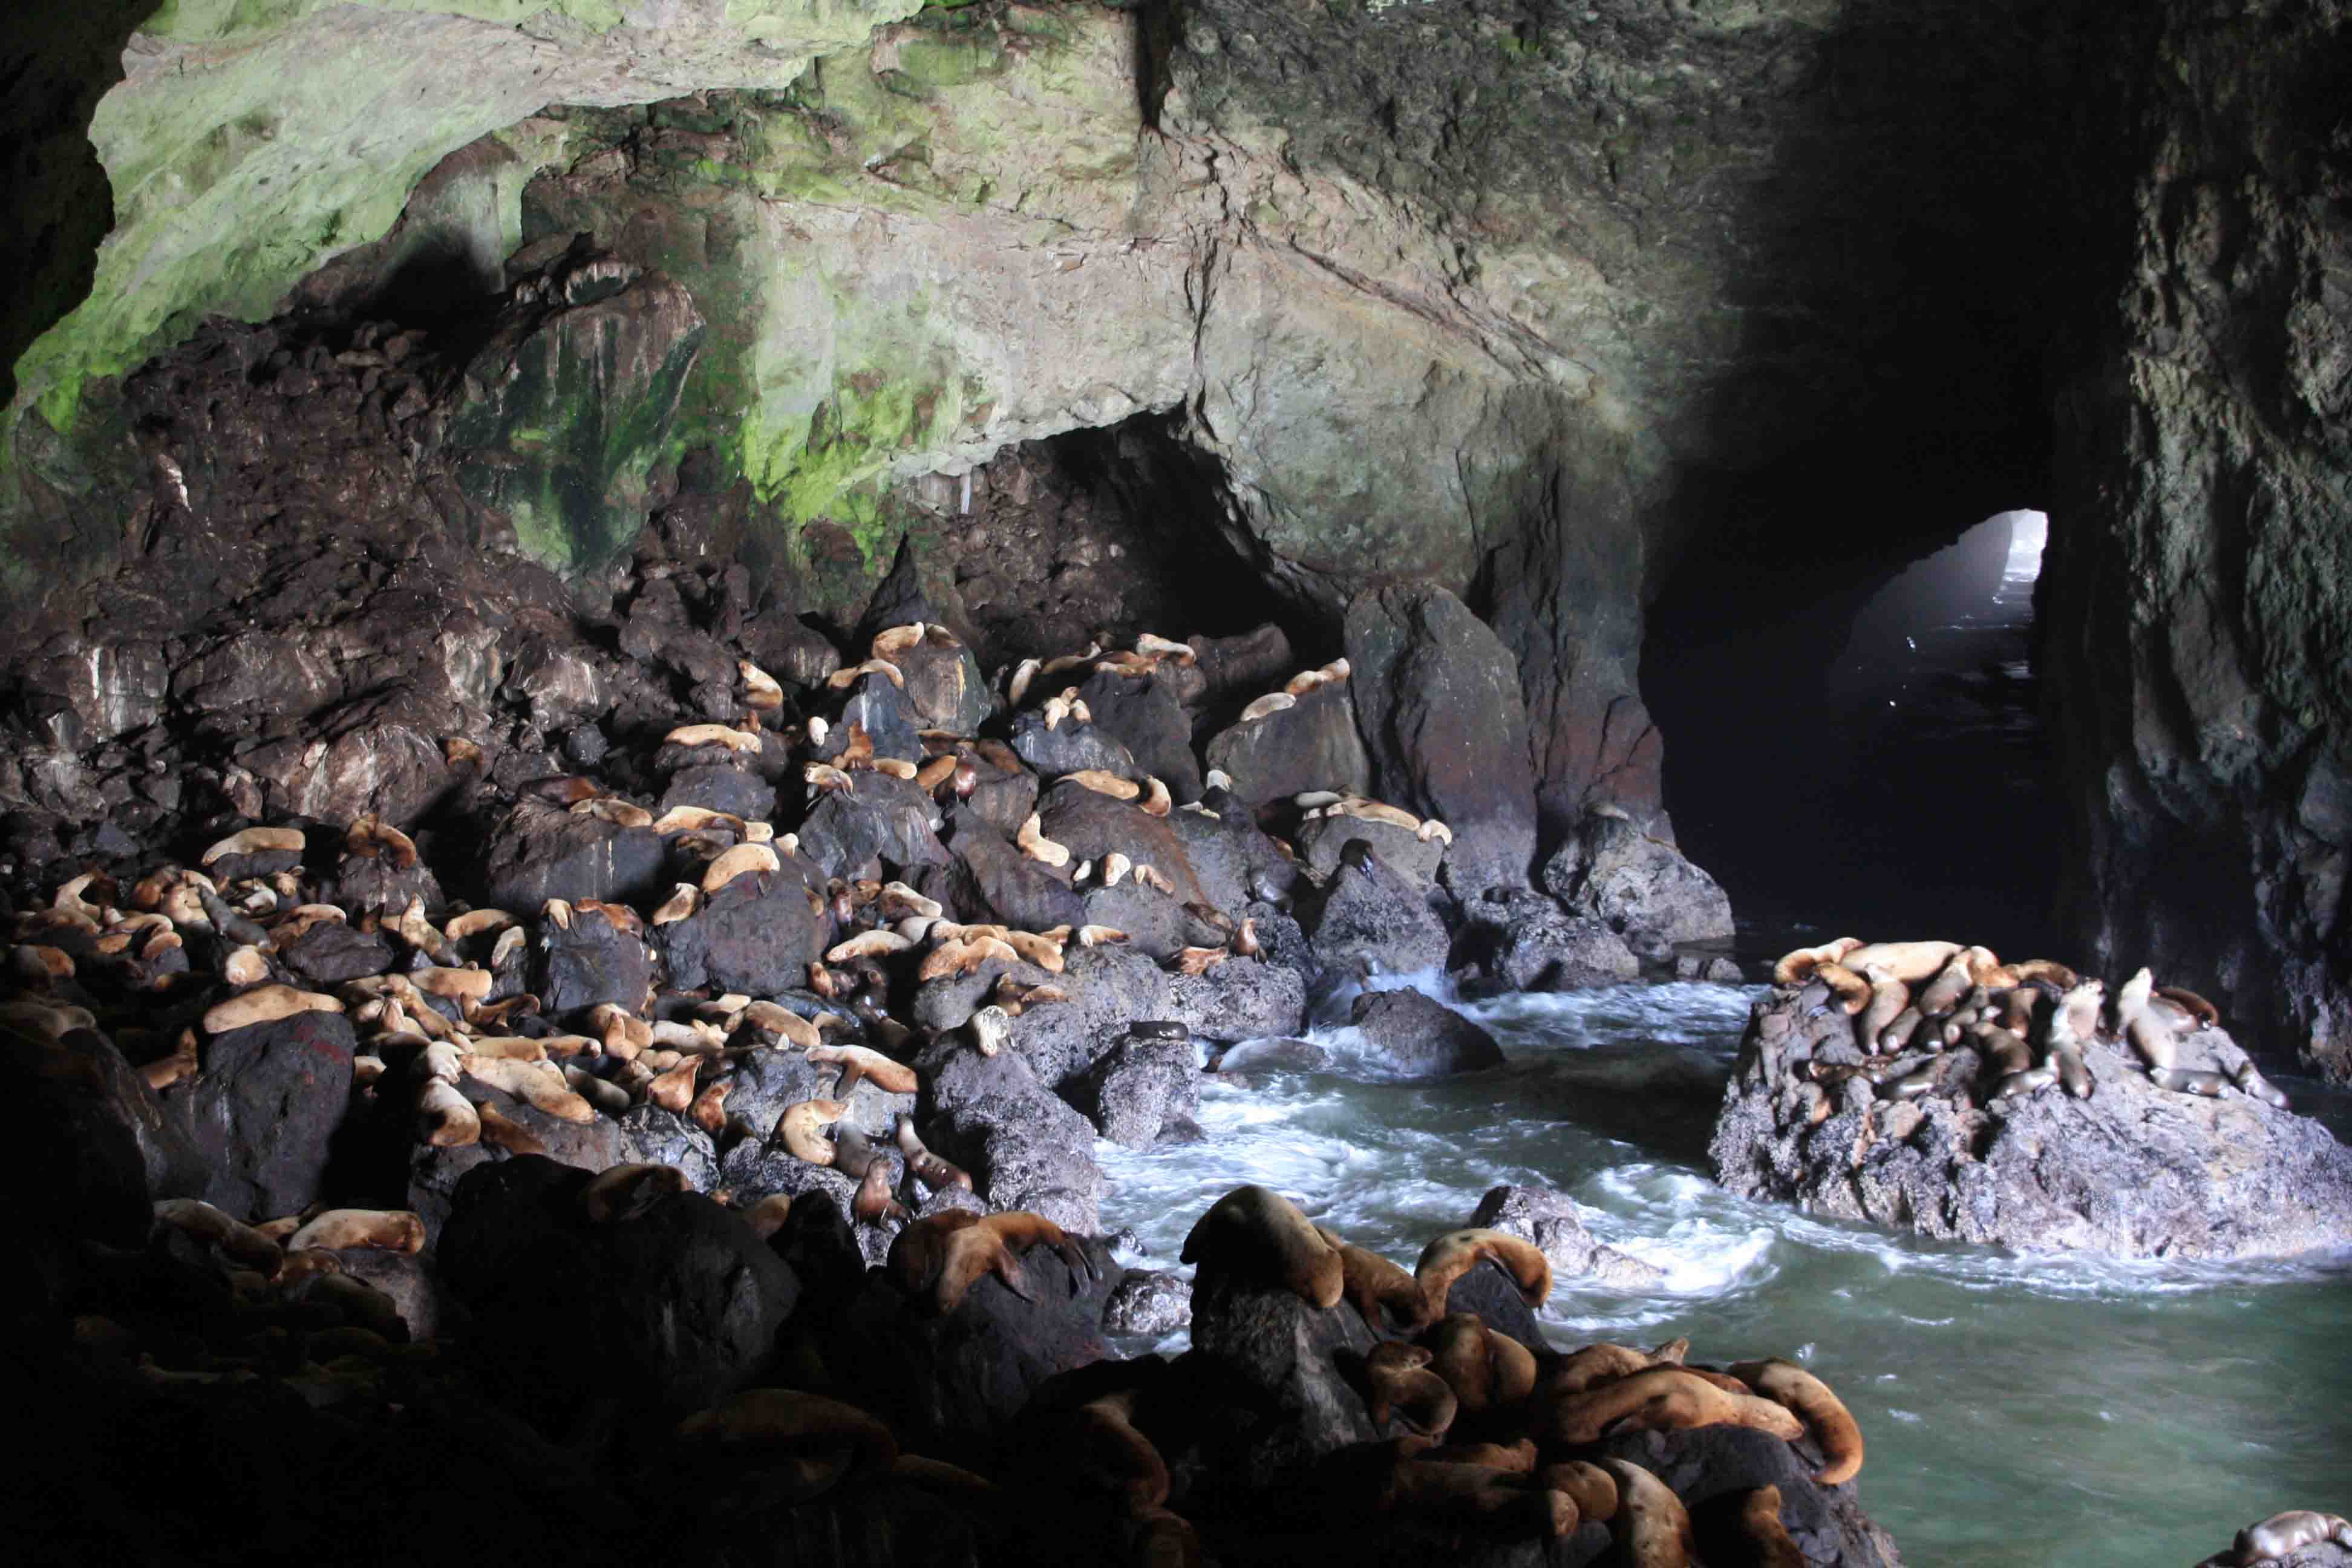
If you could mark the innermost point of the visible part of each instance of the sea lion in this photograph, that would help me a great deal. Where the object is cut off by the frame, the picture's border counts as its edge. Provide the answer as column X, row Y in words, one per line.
column 863, row 1062
column 963, row 1252
column 1889, row 998
column 2149, row 1032
column 1483, row 1368
column 1650, row 1525
column 385, row 1230
column 1455, row 1254
column 238, row 1241
column 743, row 860
column 928, row 1168
column 624, row 1192
column 1796, row 968
column 1909, row 962
column 1745, row 1527
column 1851, row 989
column 991, row 1028
column 503, row 1132
column 1496, row 1501
column 2285, row 1534
column 2186, row 1080
column 872, row 1203
column 1944, row 992
column 254, row 841
column 866, row 944
column 727, row 735
column 1664, row 1399
column 265, row 1005
column 1383, row 1295
column 797, row 1129
column 1824, row 1414
column 1401, row 1385
column 1258, row 1233
column 538, row 1084
column 1265, row 706
column 1598, row 1363
column 1593, row 1489
column 802, row 1444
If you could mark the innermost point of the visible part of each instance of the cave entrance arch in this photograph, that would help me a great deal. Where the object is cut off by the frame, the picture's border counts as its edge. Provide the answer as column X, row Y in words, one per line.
column 1859, row 748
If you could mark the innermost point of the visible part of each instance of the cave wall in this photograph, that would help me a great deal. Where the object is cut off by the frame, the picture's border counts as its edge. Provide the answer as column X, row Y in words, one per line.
column 2198, row 596
column 1502, row 294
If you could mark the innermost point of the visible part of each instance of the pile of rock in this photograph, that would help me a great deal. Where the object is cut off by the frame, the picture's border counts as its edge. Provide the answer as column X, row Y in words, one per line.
column 1929, row 1086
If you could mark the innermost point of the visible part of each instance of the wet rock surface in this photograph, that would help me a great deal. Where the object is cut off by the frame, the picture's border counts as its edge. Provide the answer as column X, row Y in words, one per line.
column 1928, row 1140
column 1416, row 1035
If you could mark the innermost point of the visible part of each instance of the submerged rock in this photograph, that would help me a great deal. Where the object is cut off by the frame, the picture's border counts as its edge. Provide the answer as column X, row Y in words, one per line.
column 1553, row 1222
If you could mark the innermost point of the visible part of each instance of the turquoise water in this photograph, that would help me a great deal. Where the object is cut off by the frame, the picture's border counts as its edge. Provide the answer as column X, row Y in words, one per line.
column 2060, row 1411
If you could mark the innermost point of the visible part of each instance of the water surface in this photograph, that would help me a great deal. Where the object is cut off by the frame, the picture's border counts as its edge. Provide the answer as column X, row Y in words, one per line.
column 2017, row 1409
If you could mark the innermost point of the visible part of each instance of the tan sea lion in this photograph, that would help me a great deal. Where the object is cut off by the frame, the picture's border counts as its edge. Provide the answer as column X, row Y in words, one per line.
column 2283, row 1535
column 1260, row 1234
column 1455, row 1254
column 1383, row 1295
column 1664, row 1399
column 1909, row 962
column 1796, row 968
column 1824, row 1414
column 386, row 1230
column 1650, row 1525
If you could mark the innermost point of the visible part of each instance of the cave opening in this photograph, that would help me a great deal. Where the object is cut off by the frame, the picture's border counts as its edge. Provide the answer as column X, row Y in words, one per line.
column 1863, row 746
column 1098, row 532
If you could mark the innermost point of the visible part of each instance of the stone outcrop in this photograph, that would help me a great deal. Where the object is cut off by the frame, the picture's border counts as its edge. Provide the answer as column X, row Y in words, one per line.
column 1935, row 1145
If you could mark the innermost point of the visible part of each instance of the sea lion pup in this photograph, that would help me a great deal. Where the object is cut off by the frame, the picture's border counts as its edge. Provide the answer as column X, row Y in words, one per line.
column 1400, row 1385
column 1597, row 1364
column 1383, row 1295
column 2285, row 1534
column 1664, row 1399
column 240, row 1242
column 1824, row 1414
column 1909, row 962
column 1261, row 1235
column 797, row 1129
column 386, row 1230
column 929, row 1168
column 1889, row 998
column 863, row 1062
column 1483, row 1368
column 1456, row 1253
column 1796, row 968
column 624, row 1192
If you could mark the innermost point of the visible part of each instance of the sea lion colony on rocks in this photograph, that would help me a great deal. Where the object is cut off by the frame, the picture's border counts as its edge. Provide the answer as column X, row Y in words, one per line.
column 1928, row 1085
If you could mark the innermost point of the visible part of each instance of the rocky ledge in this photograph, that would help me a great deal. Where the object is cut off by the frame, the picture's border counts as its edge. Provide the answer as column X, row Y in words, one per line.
column 1926, row 1086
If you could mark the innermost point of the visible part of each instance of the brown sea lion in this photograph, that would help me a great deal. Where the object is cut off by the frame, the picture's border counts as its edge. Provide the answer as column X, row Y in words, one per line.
column 1824, row 1414
column 1260, row 1234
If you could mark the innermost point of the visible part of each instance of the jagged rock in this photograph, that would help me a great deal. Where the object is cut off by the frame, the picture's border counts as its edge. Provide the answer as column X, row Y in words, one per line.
column 411, row 1279
column 559, row 684
column 1706, row 1462
column 1324, row 839
column 1553, row 1222
column 958, row 1381
column 1372, row 915
column 789, row 650
column 540, row 852
column 1438, row 701
column 262, row 1110
column 1142, row 1085
column 568, row 402
column 2134, row 1170
column 884, row 823
column 1109, row 987
column 365, row 884
column 434, row 1173
column 1311, row 745
column 884, row 709
column 682, row 1299
column 1535, row 946
column 1283, row 1357
column 1069, row 747
column 101, row 1142
column 1143, row 716
column 757, row 935
column 1236, row 864
column 595, row 959
column 1001, row 796
column 1025, row 1149
column 1240, row 1000
column 1244, row 666
column 1613, row 872
column 666, row 1138
column 1418, row 1036
column 1154, row 1302
column 718, row 787
column 331, row 952
column 945, row 689
column 1025, row 894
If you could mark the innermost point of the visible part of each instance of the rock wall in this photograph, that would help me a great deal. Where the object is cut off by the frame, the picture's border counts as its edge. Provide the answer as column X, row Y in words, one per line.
column 2197, row 595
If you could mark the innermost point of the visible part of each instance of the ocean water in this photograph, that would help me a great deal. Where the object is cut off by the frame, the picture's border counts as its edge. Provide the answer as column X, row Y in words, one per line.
column 2017, row 1409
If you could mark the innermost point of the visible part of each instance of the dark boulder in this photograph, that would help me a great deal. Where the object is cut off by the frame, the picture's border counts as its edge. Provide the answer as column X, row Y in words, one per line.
column 1554, row 1223
column 680, row 1300
column 1528, row 943
column 331, row 952
column 1438, row 702
column 1025, row 894
column 540, row 852
column 1142, row 1085
column 1612, row 871
column 716, row 786
column 881, row 825
column 757, row 935
column 1371, row 915
column 1150, row 1302
column 263, row 1109
column 1236, row 864
column 1069, row 747
column 1143, row 715
column 594, row 959
column 1311, row 746
column 1414, row 1035
column 1025, row 1148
